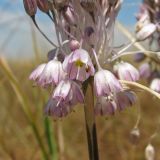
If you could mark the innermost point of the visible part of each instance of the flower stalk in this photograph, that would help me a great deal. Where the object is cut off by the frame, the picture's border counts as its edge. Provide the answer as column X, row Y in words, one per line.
column 90, row 120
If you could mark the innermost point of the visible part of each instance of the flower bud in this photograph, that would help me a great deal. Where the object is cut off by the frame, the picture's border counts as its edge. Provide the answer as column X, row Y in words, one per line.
column 73, row 45
column 155, row 85
column 146, row 32
column 43, row 5
column 69, row 15
column 90, row 36
column 134, row 135
column 145, row 70
column 30, row 7
column 150, row 152
column 139, row 57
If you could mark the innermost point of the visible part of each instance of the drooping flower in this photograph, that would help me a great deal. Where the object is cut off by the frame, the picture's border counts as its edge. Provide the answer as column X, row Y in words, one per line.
column 78, row 65
column 52, row 74
column 126, row 71
column 125, row 99
column 37, row 72
column 105, row 106
column 106, row 83
column 68, row 92
column 145, row 70
column 57, row 110
column 65, row 96
column 155, row 85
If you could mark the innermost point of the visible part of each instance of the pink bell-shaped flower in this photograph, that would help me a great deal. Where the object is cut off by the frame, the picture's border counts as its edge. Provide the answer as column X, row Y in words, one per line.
column 68, row 92
column 57, row 111
column 78, row 65
column 106, row 83
column 37, row 72
column 52, row 74
column 65, row 96
column 104, row 106
column 126, row 71
column 125, row 99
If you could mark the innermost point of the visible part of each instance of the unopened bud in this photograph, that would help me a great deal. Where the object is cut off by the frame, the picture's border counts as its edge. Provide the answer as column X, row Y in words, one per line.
column 43, row 5
column 88, row 31
column 138, row 57
column 146, row 32
column 74, row 44
column 150, row 152
column 30, row 7
column 69, row 15
column 134, row 135
column 90, row 35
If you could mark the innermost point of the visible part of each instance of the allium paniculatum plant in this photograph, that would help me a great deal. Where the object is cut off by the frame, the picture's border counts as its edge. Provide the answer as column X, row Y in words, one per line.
column 83, row 66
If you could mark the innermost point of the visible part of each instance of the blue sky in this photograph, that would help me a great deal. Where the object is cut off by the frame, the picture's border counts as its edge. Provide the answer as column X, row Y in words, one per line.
column 15, row 35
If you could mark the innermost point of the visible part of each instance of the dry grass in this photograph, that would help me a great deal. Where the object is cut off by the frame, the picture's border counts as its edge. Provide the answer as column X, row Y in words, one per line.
column 17, row 140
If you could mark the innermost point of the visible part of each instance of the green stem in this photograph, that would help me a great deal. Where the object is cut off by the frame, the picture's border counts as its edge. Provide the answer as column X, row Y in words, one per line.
column 90, row 120
column 50, row 138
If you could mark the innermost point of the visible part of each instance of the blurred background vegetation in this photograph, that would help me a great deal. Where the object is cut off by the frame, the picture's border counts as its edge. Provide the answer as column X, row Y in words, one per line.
column 25, row 133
